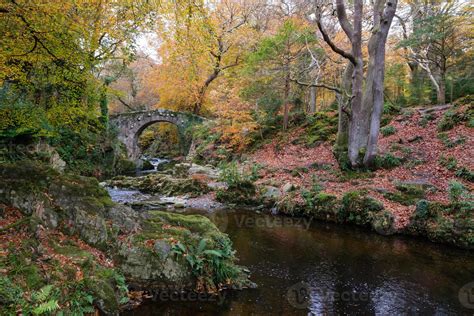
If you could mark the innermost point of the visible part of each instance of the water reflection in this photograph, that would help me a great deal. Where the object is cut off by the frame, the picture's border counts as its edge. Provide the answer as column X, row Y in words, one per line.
column 345, row 271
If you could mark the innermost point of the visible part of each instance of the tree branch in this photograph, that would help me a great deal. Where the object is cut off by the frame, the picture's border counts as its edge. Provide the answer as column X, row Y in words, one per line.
column 343, row 20
column 333, row 46
column 317, row 85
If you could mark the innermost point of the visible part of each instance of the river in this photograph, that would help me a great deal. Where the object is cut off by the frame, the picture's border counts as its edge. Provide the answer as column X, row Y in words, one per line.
column 305, row 267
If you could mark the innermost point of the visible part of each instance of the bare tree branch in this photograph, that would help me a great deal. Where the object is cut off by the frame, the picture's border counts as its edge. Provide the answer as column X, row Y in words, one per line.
column 333, row 46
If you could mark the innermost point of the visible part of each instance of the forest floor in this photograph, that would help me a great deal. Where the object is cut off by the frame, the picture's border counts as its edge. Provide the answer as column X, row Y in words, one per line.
column 426, row 153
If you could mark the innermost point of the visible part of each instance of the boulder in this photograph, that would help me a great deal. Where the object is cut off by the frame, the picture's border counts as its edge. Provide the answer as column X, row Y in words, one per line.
column 271, row 192
column 208, row 170
column 288, row 187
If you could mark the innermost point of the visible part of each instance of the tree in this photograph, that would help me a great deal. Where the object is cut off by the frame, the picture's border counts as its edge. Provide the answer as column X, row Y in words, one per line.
column 438, row 37
column 201, row 42
column 366, row 104
column 277, row 59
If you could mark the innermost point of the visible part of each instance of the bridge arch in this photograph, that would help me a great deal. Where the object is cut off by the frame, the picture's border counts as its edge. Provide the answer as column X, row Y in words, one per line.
column 131, row 124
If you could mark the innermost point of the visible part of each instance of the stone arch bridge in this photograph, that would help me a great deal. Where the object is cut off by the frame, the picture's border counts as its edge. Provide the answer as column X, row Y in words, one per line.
column 130, row 125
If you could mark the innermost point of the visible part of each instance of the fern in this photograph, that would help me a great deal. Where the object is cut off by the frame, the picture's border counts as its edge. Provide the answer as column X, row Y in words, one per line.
column 46, row 307
column 43, row 294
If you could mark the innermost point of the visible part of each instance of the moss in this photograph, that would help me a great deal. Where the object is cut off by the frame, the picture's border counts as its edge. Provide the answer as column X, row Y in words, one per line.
column 125, row 167
column 9, row 291
column 358, row 208
column 408, row 193
column 388, row 130
column 383, row 222
column 322, row 126
column 104, row 294
column 162, row 184
column 244, row 193
column 323, row 206
column 72, row 251
column 446, row 223
column 186, row 233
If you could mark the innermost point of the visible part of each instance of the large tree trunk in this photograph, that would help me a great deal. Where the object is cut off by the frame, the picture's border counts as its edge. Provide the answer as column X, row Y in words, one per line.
column 358, row 125
column 383, row 19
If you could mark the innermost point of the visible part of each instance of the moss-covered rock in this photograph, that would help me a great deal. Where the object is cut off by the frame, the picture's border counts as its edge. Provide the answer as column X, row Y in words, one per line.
column 322, row 126
column 142, row 246
column 409, row 193
column 446, row 223
column 383, row 222
column 323, row 206
column 244, row 193
column 358, row 208
column 167, row 252
column 162, row 184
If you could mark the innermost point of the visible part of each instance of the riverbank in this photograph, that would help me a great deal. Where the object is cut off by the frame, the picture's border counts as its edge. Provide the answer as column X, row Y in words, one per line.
column 66, row 246
column 424, row 181
column 422, row 185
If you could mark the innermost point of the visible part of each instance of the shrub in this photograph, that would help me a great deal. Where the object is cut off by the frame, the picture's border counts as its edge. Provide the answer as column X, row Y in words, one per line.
column 450, row 119
column 235, row 177
column 388, row 130
column 449, row 162
column 387, row 161
column 456, row 191
column 465, row 173
column 240, row 187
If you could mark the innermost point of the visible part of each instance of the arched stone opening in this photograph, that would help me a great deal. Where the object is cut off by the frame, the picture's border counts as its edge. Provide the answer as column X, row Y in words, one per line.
column 160, row 139
column 130, row 126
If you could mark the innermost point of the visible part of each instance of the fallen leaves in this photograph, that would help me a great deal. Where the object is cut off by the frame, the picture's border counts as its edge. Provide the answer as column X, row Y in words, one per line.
column 419, row 143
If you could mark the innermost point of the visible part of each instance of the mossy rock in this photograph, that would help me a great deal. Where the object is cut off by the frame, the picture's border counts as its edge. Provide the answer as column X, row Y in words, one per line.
column 125, row 167
column 108, row 294
column 409, row 193
column 322, row 126
column 358, row 208
column 445, row 223
column 244, row 193
column 383, row 223
column 323, row 206
column 152, row 260
column 162, row 184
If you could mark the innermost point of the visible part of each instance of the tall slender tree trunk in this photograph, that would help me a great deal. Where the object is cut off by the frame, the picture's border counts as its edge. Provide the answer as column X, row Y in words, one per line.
column 286, row 97
column 343, row 115
column 312, row 99
column 441, row 91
